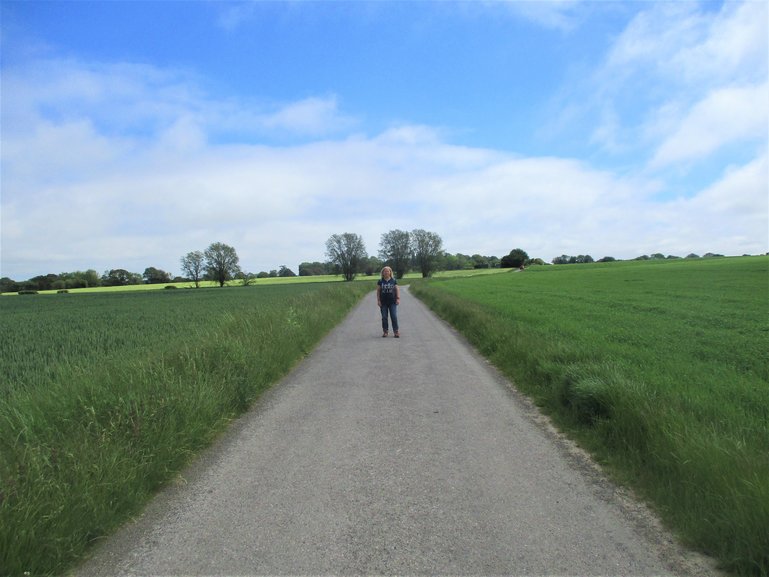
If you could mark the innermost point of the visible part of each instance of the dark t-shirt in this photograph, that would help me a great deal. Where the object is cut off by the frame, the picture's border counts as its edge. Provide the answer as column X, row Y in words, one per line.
column 387, row 290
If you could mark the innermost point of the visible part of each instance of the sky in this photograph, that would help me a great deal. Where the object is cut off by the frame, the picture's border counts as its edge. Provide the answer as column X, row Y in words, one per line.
column 136, row 132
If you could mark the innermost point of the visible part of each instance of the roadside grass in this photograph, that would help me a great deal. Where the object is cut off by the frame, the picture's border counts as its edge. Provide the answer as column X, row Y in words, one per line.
column 109, row 395
column 660, row 369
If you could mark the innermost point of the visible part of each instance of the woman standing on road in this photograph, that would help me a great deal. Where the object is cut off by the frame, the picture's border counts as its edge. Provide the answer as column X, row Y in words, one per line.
column 388, row 297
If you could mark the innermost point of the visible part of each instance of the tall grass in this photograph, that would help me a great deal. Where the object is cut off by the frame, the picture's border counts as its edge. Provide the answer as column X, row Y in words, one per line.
column 110, row 395
column 660, row 369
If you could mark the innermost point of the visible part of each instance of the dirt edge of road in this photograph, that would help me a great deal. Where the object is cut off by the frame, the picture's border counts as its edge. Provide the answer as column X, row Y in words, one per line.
column 680, row 559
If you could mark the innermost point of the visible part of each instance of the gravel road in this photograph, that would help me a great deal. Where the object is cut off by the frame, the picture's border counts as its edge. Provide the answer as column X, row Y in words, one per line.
column 407, row 456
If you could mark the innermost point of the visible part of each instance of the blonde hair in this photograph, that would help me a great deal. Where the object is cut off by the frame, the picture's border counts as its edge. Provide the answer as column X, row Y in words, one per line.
column 384, row 269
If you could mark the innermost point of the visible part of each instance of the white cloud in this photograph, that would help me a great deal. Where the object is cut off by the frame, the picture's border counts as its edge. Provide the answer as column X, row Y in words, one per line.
column 556, row 14
column 279, row 205
column 723, row 117
column 732, row 212
column 681, row 43
column 309, row 117
column 742, row 192
column 732, row 46
column 86, row 189
column 684, row 81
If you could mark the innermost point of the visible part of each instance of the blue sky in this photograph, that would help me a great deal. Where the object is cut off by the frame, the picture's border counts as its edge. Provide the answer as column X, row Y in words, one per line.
column 135, row 132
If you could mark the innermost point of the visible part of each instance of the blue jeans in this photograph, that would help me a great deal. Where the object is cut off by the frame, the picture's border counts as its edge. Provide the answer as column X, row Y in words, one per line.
column 392, row 308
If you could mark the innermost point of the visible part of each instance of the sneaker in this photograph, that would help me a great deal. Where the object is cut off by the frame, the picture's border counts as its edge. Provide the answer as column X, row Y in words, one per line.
column 384, row 334
column 397, row 336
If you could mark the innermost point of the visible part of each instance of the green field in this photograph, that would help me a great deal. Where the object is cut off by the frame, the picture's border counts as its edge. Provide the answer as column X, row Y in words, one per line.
column 105, row 397
column 265, row 282
column 661, row 369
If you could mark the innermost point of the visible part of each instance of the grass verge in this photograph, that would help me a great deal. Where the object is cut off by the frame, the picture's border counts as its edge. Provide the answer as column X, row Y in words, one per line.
column 84, row 445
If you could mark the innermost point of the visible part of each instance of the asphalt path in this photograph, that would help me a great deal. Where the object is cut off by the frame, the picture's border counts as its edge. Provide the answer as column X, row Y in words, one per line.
column 407, row 456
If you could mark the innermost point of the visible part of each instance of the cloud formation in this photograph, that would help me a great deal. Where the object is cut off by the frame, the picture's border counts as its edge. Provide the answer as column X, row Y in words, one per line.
column 124, row 165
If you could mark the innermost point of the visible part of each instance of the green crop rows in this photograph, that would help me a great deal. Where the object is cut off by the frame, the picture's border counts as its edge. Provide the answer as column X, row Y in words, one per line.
column 660, row 368
column 105, row 397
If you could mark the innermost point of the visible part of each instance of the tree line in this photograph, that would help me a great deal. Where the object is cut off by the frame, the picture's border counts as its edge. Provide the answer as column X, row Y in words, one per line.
column 418, row 250
column 586, row 258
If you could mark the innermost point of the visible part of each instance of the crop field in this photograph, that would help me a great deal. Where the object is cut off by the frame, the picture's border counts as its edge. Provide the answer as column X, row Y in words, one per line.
column 269, row 281
column 660, row 369
column 105, row 397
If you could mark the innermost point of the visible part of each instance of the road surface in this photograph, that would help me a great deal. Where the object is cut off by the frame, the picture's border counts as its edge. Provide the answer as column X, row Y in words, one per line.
column 407, row 456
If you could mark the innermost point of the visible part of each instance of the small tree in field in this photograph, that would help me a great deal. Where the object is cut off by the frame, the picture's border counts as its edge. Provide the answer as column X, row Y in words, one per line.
column 221, row 262
column 516, row 259
column 395, row 250
column 193, row 265
column 346, row 251
column 427, row 248
column 154, row 275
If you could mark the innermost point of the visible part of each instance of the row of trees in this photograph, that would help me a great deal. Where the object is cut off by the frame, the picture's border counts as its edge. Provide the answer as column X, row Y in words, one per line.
column 586, row 258
column 404, row 251
column 220, row 263
column 88, row 278
column 418, row 250
column 401, row 250
column 373, row 264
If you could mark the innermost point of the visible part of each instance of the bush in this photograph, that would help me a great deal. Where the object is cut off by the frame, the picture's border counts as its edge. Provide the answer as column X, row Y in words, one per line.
column 28, row 292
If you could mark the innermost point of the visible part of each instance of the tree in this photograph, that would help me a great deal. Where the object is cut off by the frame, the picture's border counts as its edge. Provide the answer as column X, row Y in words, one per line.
column 516, row 259
column 120, row 277
column 8, row 285
column 395, row 250
column 154, row 275
column 193, row 266
column 427, row 248
column 372, row 265
column 285, row 271
column 479, row 261
column 313, row 268
column 77, row 279
column 41, row 282
column 221, row 262
column 346, row 251
column 457, row 261
column 246, row 278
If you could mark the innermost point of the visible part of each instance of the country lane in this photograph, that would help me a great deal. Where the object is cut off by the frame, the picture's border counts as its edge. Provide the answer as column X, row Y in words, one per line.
column 407, row 456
